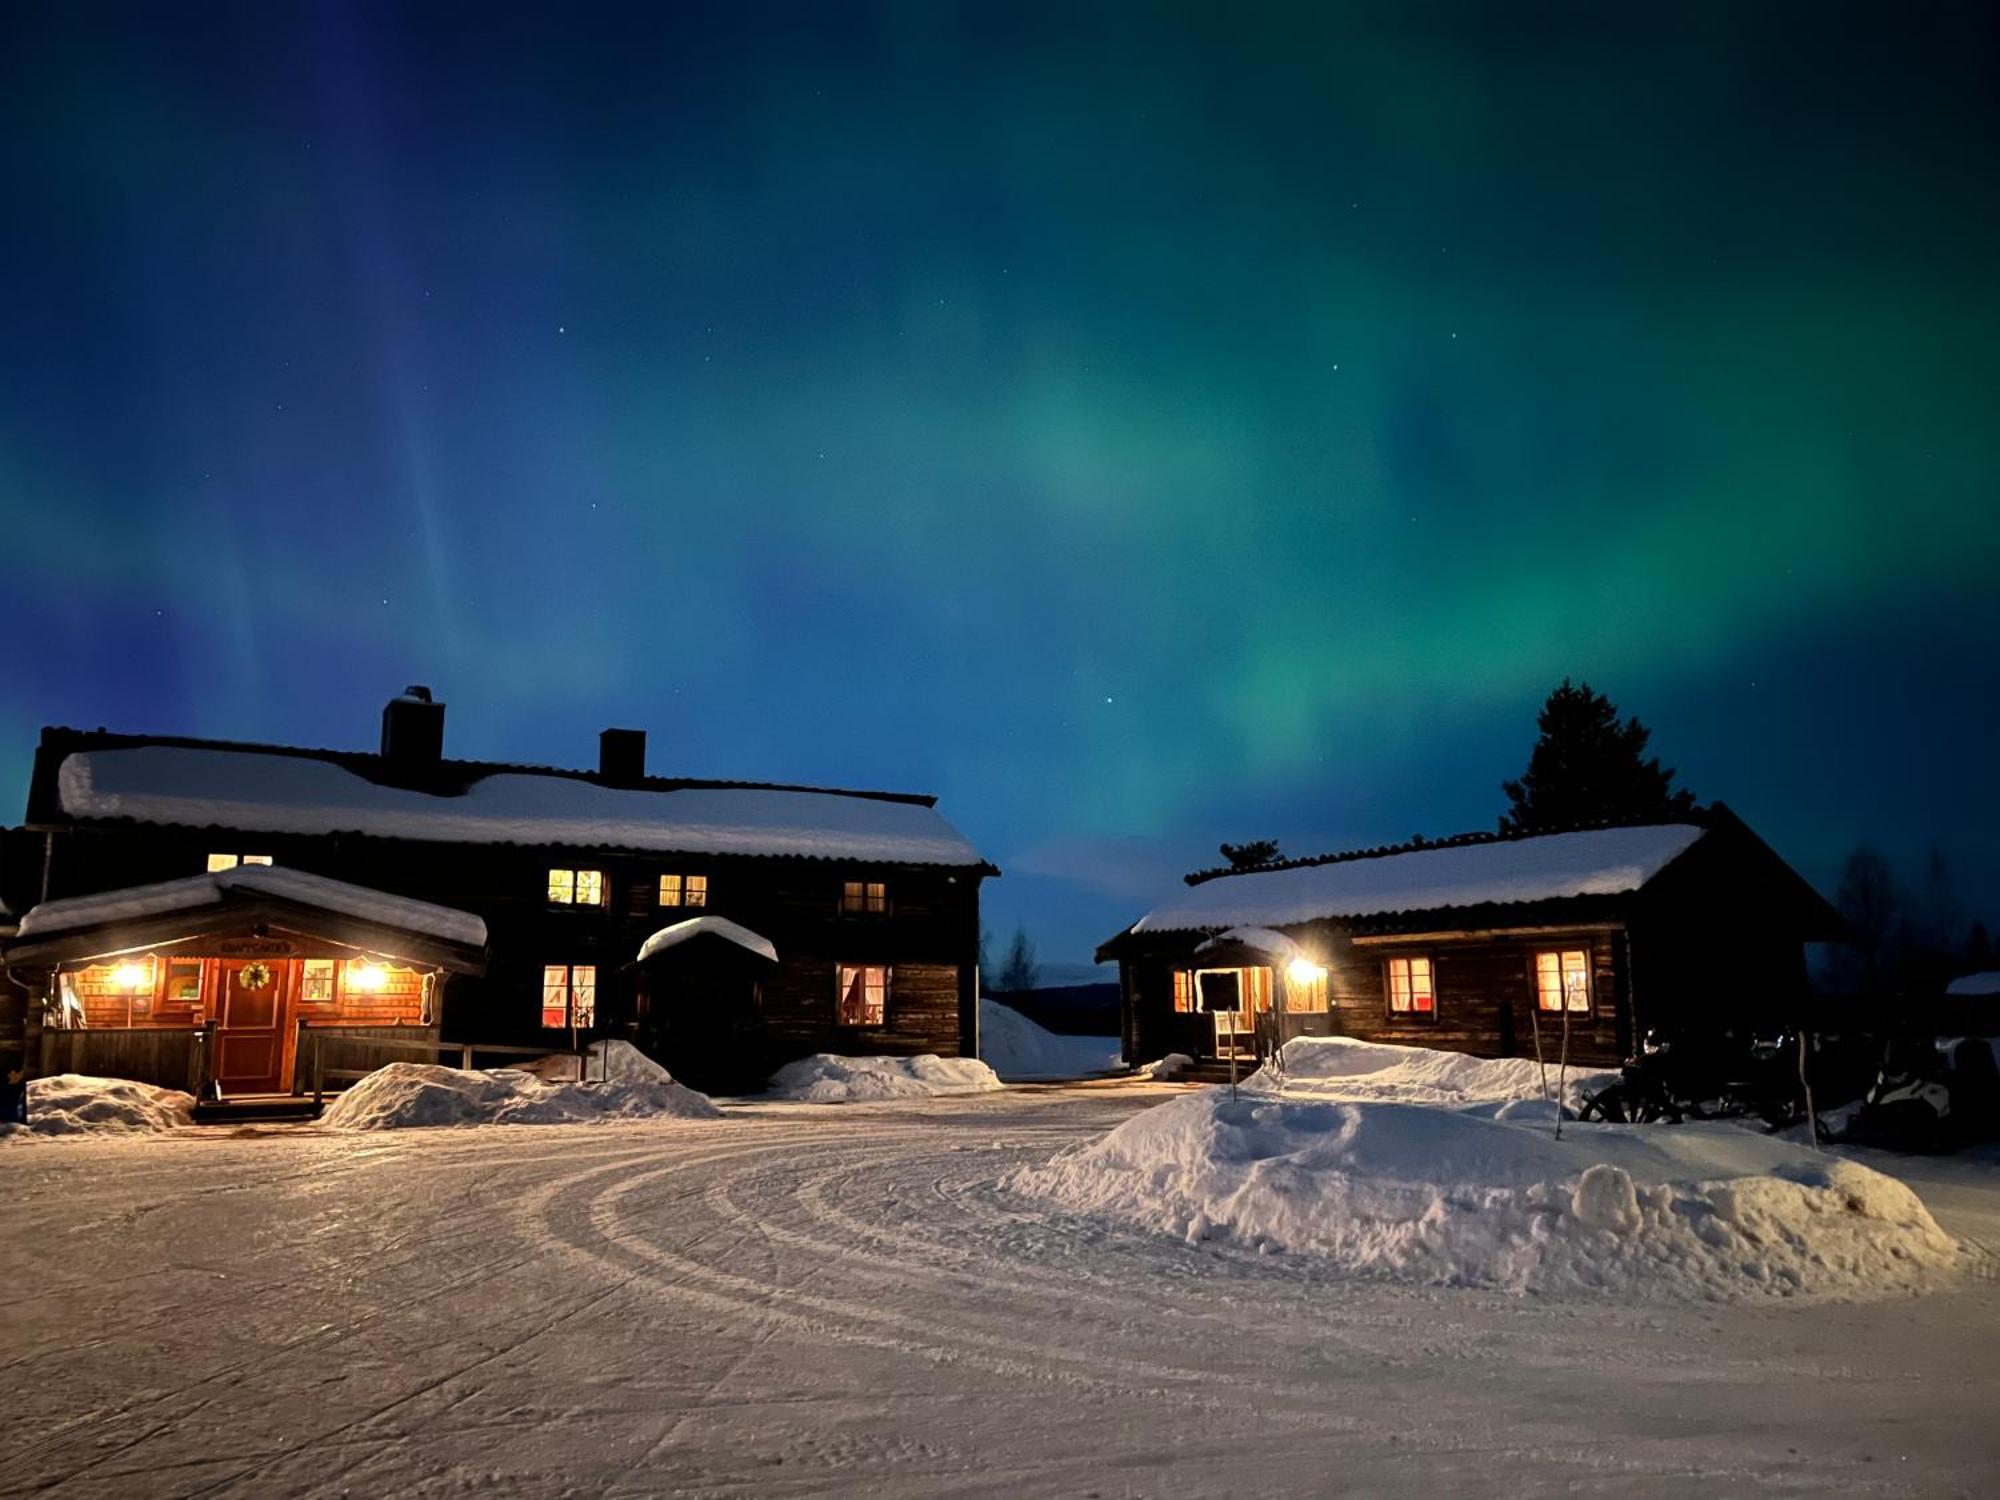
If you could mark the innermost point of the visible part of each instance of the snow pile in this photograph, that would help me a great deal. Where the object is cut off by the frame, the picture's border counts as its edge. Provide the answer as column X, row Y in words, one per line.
column 77, row 1104
column 1456, row 1198
column 406, row 1094
column 708, row 926
column 1166, row 1069
column 824, row 1078
column 608, row 1062
column 1015, row 1047
column 1340, row 1067
column 1987, row 983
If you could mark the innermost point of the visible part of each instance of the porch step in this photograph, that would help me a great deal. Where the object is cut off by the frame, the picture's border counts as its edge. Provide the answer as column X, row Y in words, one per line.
column 1208, row 1070
column 276, row 1108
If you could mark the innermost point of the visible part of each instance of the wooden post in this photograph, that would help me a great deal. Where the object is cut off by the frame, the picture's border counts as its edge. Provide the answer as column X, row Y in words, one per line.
column 319, row 1077
column 207, row 1079
column 465, row 1057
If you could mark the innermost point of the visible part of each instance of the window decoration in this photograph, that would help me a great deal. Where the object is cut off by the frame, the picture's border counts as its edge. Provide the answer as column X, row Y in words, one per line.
column 863, row 995
column 1412, row 988
column 569, row 995
column 576, row 888
column 316, row 981
column 683, row 890
column 1562, row 981
column 864, row 897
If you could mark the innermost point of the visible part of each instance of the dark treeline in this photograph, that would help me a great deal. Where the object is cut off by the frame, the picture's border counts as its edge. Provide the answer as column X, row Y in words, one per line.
column 1908, row 937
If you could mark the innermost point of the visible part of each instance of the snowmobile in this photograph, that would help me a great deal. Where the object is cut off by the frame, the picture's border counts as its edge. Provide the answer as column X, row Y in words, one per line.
column 1932, row 1094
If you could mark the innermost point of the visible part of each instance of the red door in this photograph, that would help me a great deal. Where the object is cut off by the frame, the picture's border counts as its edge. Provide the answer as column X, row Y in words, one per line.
column 254, row 1015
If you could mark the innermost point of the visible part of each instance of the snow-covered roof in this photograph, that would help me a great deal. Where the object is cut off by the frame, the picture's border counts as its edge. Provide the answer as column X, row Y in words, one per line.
column 1259, row 939
column 263, row 792
column 1987, row 983
column 707, row 926
column 195, row 891
column 1588, row 862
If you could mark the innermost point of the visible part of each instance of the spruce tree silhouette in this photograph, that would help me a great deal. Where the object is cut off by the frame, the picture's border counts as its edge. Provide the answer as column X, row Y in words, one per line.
column 1588, row 767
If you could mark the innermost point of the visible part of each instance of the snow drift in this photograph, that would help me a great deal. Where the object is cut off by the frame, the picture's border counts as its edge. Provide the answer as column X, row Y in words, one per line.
column 825, row 1078
column 1015, row 1047
column 1465, row 1198
column 77, row 1104
column 410, row 1094
column 607, row 1062
column 1339, row 1067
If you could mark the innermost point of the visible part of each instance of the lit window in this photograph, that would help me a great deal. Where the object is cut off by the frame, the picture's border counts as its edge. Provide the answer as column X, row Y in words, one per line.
column 576, row 888
column 1305, row 988
column 569, row 995
column 231, row 861
column 1183, row 992
column 1561, row 979
column 184, row 981
column 256, row 859
column 683, row 890
column 868, row 896
column 316, row 984
column 1412, row 989
column 863, row 995
column 1256, row 989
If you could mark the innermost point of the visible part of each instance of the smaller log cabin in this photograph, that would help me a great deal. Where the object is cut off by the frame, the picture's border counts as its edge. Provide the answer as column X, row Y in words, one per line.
column 1485, row 943
column 168, row 884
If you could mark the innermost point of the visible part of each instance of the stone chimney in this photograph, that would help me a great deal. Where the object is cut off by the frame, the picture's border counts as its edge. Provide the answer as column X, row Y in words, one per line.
column 413, row 729
column 621, row 757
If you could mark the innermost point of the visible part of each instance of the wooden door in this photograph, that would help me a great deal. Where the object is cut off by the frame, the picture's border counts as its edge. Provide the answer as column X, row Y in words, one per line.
column 255, row 1019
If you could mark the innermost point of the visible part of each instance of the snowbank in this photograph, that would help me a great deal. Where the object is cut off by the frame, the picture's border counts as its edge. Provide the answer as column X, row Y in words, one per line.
column 824, row 1078
column 1987, row 983
column 1166, row 1069
column 1457, row 1198
column 609, row 1062
column 406, row 1094
column 77, row 1104
column 1015, row 1047
column 1339, row 1067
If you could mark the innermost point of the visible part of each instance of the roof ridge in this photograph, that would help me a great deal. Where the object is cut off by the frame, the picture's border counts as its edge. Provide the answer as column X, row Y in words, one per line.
column 1695, row 818
column 363, row 762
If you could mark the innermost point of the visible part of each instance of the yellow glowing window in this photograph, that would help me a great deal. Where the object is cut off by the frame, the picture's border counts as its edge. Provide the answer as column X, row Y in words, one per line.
column 867, row 896
column 1412, row 988
column 670, row 890
column 697, row 890
column 231, row 861
column 256, row 859
column 863, row 996
column 1562, row 980
column 569, row 995
column 1305, row 988
column 1183, row 991
column 577, row 888
column 683, row 890
column 184, row 980
column 316, row 982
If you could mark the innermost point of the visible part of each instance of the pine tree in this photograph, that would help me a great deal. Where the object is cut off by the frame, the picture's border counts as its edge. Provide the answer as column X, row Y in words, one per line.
column 1868, row 901
column 1019, row 972
column 1588, row 767
column 1249, row 856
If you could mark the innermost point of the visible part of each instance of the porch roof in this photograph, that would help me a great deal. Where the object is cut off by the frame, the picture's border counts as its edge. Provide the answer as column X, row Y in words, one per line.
column 707, row 926
column 172, row 911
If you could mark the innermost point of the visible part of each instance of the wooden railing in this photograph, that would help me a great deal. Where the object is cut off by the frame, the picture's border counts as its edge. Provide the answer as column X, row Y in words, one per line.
column 340, row 1055
column 168, row 1057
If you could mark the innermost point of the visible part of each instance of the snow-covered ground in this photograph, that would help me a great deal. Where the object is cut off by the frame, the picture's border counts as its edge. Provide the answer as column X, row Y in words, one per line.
column 802, row 1301
column 825, row 1078
column 1019, row 1050
column 1469, row 1198
column 403, row 1095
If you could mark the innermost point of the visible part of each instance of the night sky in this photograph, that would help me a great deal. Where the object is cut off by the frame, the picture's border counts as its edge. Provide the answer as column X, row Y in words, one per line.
column 1140, row 429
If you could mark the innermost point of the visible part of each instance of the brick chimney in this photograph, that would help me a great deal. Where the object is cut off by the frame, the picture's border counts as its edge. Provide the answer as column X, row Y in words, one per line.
column 621, row 757
column 413, row 729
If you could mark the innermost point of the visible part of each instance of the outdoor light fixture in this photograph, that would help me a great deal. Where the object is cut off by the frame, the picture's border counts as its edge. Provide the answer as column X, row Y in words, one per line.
column 131, row 976
column 365, row 976
column 1305, row 971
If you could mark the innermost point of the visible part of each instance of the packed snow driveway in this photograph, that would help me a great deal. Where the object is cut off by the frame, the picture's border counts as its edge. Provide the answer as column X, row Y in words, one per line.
column 800, row 1300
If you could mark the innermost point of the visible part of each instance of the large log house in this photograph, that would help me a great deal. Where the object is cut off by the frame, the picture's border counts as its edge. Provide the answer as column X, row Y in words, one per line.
column 197, row 909
column 1485, row 943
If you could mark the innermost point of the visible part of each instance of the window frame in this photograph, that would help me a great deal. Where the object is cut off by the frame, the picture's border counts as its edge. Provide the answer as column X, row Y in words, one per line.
column 1409, row 1011
column 1184, row 992
column 688, row 891
column 565, row 886
column 869, row 898
column 308, row 981
column 582, row 1018
column 1564, row 1006
column 872, row 1017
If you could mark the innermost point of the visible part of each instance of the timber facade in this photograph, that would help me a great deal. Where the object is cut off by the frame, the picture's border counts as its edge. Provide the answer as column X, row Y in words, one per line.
column 869, row 900
column 1687, row 929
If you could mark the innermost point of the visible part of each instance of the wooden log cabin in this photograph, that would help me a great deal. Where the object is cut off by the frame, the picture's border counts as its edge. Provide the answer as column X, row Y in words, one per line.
column 157, row 877
column 1483, row 944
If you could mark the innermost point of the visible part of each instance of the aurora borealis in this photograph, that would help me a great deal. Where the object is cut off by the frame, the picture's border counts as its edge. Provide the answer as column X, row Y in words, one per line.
column 1141, row 428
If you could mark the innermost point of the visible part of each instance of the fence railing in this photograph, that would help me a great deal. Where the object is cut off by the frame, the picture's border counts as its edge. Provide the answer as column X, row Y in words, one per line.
column 168, row 1057
column 339, row 1055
